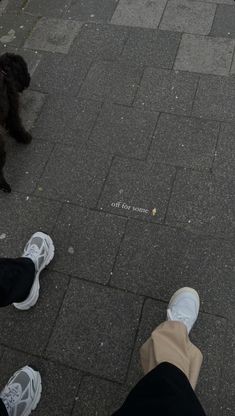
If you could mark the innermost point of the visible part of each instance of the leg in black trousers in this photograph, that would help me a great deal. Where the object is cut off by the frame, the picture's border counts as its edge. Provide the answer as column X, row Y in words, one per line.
column 164, row 391
column 16, row 279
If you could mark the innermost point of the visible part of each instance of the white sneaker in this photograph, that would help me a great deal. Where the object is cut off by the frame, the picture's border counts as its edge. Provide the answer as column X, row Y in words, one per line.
column 40, row 249
column 22, row 393
column 184, row 307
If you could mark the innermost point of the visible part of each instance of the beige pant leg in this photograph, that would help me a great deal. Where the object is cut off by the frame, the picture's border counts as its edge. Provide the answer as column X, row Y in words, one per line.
column 169, row 342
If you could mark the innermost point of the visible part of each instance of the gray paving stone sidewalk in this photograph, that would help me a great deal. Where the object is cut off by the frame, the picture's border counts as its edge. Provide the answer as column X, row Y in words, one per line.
column 132, row 172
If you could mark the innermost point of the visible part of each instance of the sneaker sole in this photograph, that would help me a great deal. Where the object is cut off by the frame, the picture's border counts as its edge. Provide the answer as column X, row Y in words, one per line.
column 182, row 290
column 34, row 293
column 37, row 397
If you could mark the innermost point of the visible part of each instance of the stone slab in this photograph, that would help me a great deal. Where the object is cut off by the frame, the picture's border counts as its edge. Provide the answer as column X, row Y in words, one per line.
column 87, row 242
column 111, row 81
column 140, row 13
column 136, row 189
column 188, row 16
column 224, row 162
column 40, row 319
column 31, row 105
column 204, row 202
column 184, row 141
column 124, row 131
column 25, row 164
column 100, row 41
column 94, row 10
column 167, row 91
column 204, row 54
column 66, row 121
column 69, row 78
column 46, row 8
column 53, row 35
column 15, row 29
column 23, row 216
column 98, row 397
column 59, row 384
column 74, row 175
column 152, row 48
column 226, row 396
column 224, row 22
column 215, row 98
column 156, row 260
column 95, row 331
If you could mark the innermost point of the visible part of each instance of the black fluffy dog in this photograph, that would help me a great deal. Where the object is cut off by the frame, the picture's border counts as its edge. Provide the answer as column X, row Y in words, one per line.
column 14, row 78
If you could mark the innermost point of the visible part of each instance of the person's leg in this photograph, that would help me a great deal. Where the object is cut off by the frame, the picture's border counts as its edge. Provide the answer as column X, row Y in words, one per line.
column 16, row 279
column 19, row 278
column 170, row 342
column 169, row 360
column 21, row 394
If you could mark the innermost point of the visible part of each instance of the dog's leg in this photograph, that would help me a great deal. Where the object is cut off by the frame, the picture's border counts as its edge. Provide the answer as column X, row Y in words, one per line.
column 4, row 186
column 13, row 122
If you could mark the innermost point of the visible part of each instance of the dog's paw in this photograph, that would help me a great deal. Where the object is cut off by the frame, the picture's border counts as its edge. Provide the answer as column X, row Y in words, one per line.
column 24, row 138
column 5, row 187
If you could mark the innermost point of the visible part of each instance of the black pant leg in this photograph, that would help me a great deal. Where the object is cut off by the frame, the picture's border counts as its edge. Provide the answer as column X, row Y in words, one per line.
column 165, row 391
column 16, row 279
column 3, row 410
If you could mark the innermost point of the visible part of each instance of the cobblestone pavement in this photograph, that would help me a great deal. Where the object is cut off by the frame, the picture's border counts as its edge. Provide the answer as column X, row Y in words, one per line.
column 132, row 171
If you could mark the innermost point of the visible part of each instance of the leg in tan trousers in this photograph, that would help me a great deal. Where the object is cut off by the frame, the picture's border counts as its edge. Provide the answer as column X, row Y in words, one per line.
column 170, row 342
column 171, row 365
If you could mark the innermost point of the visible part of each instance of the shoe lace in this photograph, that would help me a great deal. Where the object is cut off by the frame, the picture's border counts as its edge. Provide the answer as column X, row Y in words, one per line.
column 33, row 251
column 10, row 395
column 178, row 316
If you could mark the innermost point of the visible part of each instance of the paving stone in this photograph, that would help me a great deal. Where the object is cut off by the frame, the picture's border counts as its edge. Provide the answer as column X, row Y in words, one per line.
column 135, row 189
column 220, row 1
column 97, row 397
column 142, row 13
column 96, row 10
column 95, row 331
column 153, row 314
column 75, row 175
column 215, row 98
column 163, row 90
column 14, row 5
column 100, row 41
column 208, row 335
column 65, row 120
column 224, row 162
column 46, row 8
column 87, row 243
column 152, row 48
column 22, row 217
column 25, row 164
column 184, row 141
column 188, row 16
column 124, row 131
column 59, row 384
column 224, row 22
column 31, row 104
column 204, row 202
column 155, row 261
column 112, row 81
column 14, row 29
column 226, row 398
column 53, row 35
column 204, row 54
column 3, row 6
column 40, row 319
column 233, row 66
column 67, row 80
